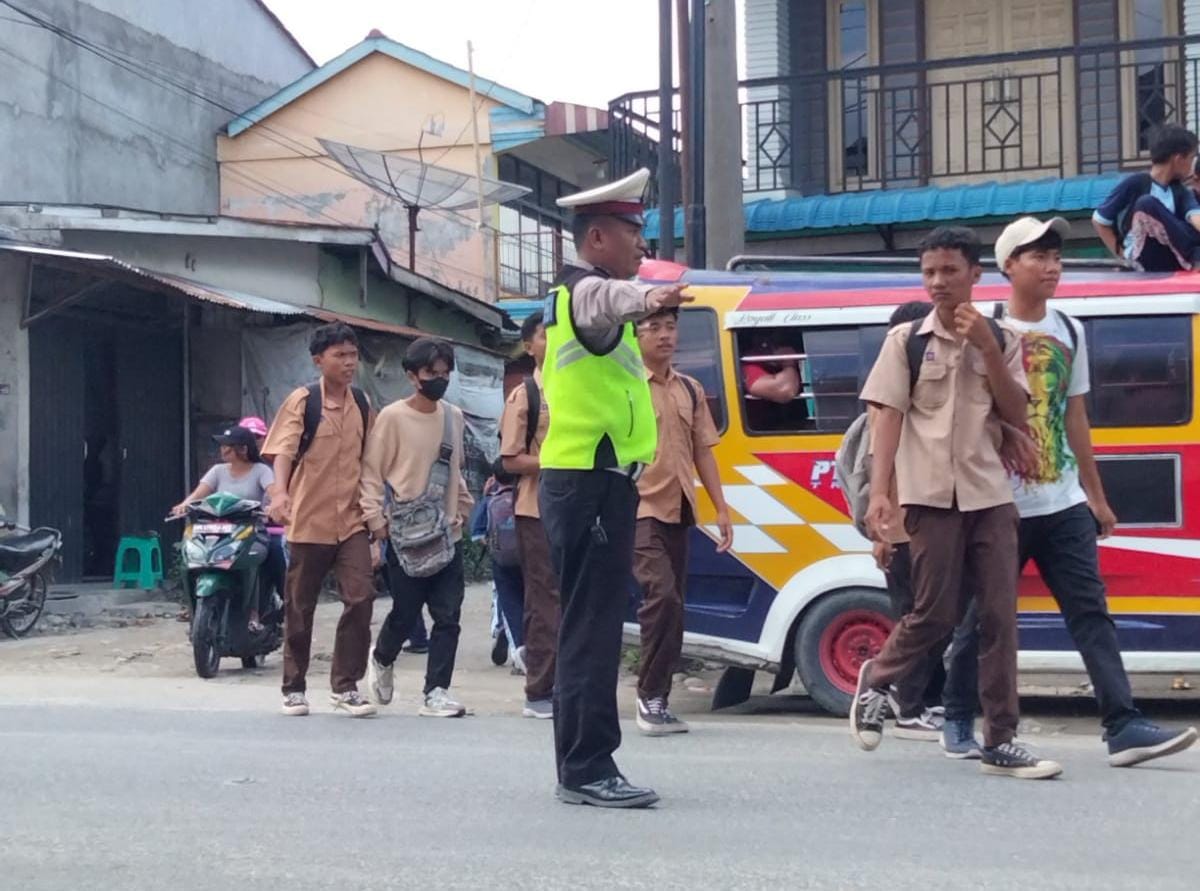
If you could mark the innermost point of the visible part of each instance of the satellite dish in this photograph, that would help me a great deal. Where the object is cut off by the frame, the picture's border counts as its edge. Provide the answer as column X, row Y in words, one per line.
column 418, row 185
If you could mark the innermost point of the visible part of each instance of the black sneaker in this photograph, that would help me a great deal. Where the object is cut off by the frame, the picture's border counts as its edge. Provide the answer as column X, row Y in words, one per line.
column 1141, row 740
column 1011, row 760
column 655, row 719
column 500, row 649
column 867, row 712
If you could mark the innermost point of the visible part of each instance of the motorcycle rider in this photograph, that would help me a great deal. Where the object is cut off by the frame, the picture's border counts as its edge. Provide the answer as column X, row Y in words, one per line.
column 243, row 473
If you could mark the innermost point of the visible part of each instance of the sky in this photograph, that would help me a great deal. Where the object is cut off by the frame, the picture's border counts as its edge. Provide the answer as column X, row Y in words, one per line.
column 580, row 51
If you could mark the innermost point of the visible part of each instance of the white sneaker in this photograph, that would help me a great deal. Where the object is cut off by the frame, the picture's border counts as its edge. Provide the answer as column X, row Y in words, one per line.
column 438, row 704
column 380, row 681
column 518, row 661
column 352, row 703
column 294, row 705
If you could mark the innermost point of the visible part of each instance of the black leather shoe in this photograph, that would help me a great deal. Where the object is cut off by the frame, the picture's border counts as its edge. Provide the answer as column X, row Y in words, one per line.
column 609, row 792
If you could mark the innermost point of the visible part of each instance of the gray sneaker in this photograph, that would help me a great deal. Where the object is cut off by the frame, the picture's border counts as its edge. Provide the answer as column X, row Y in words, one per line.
column 538, row 708
column 959, row 742
column 655, row 719
column 439, row 704
column 380, row 681
column 352, row 703
column 294, row 705
column 1012, row 760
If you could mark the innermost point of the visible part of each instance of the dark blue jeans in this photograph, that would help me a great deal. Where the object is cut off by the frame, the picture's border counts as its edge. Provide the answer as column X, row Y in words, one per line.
column 510, row 597
column 1063, row 547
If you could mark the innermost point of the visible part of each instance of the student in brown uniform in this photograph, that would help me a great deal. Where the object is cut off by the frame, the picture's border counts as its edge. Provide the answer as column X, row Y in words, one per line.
column 940, row 436
column 521, row 438
column 315, row 495
column 666, row 513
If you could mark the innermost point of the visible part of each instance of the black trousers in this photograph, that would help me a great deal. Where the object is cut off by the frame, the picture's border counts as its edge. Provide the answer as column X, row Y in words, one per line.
column 442, row 593
column 1063, row 547
column 589, row 517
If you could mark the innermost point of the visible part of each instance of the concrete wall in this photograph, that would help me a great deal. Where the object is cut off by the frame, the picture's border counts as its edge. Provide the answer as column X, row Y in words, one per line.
column 14, row 389
column 77, row 129
column 379, row 103
column 281, row 270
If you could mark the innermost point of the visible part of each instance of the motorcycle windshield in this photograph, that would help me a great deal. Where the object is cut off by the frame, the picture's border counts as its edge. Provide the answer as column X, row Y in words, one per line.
column 223, row 504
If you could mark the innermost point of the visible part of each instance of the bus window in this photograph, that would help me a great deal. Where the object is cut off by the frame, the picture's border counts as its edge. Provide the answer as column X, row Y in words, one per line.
column 833, row 364
column 1141, row 370
column 699, row 355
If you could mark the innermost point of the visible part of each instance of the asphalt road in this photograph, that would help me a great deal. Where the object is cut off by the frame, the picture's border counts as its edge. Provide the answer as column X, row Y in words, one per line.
column 168, row 793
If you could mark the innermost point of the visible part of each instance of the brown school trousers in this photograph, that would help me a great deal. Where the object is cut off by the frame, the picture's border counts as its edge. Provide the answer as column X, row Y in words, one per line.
column 660, row 556
column 351, row 565
column 947, row 546
column 543, row 609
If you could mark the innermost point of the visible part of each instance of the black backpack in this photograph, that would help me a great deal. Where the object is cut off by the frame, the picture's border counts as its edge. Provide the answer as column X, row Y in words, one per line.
column 312, row 417
column 1063, row 319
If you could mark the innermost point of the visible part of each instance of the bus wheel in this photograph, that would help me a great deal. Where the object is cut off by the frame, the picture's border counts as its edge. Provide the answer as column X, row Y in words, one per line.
column 838, row 634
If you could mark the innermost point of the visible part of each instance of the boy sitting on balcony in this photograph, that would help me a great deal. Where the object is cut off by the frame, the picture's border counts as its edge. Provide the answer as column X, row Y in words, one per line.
column 1152, row 220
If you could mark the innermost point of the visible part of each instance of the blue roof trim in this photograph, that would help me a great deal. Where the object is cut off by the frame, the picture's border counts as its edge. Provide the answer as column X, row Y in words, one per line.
column 511, row 128
column 927, row 204
column 357, row 53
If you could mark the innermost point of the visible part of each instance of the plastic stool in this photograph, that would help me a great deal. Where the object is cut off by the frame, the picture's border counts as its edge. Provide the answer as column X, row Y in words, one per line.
column 146, row 570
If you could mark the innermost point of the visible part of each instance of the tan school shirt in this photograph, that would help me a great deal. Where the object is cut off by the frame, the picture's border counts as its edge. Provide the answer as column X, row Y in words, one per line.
column 684, row 430
column 403, row 447
column 514, row 427
column 949, row 450
column 324, row 484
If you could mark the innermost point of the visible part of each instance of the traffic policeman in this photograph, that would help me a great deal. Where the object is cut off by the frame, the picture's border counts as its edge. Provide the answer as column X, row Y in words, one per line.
column 602, row 432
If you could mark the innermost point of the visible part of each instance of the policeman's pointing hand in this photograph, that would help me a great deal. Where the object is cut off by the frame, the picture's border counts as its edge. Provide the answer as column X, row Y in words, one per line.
column 666, row 296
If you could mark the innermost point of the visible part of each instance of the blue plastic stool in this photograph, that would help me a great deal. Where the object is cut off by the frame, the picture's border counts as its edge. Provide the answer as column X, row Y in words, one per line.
column 139, row 562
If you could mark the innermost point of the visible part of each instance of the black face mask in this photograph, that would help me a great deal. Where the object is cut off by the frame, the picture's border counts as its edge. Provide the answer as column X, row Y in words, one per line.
column 433, row 388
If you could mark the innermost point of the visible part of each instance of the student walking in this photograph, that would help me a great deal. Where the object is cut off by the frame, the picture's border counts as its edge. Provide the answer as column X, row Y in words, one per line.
column 316, row 445
column 523, row 428
column 666, row 514
column 939, row 438
column 1062, row 505
column 415, row 451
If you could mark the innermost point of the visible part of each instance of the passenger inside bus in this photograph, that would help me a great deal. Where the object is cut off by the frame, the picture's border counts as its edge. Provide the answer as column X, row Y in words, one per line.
column 772, row 382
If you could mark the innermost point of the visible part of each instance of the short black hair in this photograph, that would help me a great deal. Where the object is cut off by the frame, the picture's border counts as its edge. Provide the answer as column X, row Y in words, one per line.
column 424, row 351
column 1050, row 241
column 1170, row 140
column 672, row 311
column 953, row 238
column 909, row 312
column 530, row 325
column 580, row 224
column 331, row 335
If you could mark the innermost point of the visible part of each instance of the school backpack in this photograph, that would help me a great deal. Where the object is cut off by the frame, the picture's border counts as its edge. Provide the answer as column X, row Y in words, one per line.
column 852, row 463
column 502, row 527
column 312, row 416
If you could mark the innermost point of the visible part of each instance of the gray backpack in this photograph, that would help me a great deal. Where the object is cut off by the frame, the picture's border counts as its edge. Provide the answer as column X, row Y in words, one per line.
column 852, row 469
column 420, row 529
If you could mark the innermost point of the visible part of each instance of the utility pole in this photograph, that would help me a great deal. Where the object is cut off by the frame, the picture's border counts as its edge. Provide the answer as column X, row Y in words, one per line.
column 685, row 105
column 696, row 213
column 666, row 136
column 725, row 225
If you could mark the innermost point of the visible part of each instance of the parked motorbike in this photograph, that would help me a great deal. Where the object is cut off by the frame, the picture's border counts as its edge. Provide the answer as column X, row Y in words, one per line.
column 224, row 547
column 27, row 561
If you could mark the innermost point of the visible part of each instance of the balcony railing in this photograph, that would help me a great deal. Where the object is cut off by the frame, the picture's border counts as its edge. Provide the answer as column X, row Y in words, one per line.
column 1058, row 112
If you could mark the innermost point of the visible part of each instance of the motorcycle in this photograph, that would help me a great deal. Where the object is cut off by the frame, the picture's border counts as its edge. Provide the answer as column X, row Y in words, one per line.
column 27, row 561
column 225, row 545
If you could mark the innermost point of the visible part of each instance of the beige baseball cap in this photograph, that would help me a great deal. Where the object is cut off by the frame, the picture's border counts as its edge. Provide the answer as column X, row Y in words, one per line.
column 1026, row 230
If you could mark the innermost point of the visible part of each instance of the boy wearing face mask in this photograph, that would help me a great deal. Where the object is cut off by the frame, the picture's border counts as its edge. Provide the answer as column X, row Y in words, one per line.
column 402, row 449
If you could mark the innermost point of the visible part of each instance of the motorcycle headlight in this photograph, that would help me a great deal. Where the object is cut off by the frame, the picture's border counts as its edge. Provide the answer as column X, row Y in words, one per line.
column 194, row 551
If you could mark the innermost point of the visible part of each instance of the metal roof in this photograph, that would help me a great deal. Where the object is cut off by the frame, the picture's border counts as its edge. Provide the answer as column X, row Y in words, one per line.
column 928, row 204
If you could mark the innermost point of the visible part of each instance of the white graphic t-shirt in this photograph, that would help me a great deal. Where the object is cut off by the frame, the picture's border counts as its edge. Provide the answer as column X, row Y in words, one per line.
column 1054, row 376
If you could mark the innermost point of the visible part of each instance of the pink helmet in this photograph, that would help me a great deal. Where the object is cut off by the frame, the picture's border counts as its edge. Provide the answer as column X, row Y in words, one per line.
column 255, row 425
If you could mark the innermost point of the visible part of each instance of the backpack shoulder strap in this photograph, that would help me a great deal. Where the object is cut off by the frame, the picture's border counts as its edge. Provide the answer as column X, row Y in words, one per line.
column 312, row 419
column 364, row 408
column 1069, row 323
column 533, row 412
column 915, row 350
column 998, row 333
column 691, row 388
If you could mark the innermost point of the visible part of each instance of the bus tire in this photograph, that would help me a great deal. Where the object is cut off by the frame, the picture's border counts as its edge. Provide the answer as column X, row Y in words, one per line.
column 837, row 634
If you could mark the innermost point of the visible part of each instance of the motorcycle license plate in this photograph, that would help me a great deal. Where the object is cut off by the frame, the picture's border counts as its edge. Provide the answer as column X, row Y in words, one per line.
column 213, row 528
